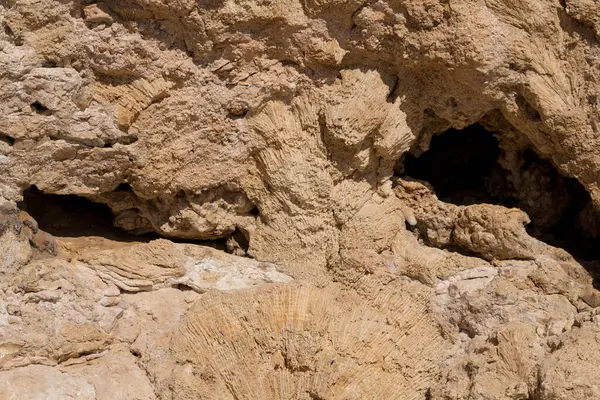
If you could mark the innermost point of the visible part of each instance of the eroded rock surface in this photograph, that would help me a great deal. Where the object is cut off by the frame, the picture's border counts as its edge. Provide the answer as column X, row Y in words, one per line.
column 143, row 140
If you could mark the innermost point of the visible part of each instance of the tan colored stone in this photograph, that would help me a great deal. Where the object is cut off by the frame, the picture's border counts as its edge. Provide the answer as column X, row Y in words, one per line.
column 301, row 342
column 275, row 130
column 97, row 13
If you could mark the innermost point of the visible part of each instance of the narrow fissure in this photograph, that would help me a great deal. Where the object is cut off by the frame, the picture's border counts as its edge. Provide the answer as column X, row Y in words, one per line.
column 77, row 216
column 469, row 166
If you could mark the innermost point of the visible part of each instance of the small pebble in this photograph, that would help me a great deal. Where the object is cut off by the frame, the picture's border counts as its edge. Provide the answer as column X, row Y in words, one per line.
column 409, row 216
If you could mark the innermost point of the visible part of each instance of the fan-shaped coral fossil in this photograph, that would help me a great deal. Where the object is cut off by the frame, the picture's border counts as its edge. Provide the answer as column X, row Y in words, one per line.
column 303, row 342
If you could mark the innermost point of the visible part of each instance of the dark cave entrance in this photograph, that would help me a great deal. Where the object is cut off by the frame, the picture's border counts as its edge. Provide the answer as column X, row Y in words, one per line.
column 77, row 216
column 464, row 167
column 458, row 165
column 68, row 215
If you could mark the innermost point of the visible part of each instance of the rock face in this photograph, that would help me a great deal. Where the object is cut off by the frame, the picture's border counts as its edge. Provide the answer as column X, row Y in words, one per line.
column 408, row 190
column 302, row 342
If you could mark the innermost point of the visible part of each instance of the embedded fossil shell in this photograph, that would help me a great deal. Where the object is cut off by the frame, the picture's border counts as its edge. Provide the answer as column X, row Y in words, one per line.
column 302, row 342
column 132, row 98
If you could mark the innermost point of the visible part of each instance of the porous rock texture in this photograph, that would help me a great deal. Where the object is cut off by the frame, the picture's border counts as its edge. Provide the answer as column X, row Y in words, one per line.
column 275, row 131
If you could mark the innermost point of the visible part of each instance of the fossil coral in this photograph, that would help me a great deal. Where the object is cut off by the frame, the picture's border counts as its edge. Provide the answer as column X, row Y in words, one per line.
column 409, row 191
column 301, row 342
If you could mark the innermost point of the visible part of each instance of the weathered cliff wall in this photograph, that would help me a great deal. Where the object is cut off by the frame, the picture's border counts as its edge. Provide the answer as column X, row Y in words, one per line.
column 409, row 190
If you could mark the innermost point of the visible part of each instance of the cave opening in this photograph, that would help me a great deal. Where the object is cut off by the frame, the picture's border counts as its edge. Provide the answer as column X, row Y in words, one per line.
column 68, row 215
column 457, row 165
column 76, row 216
column 465, row 167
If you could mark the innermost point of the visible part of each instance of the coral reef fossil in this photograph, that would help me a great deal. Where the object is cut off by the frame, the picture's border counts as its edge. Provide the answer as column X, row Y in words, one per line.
column 300, row 199
column 303, row 342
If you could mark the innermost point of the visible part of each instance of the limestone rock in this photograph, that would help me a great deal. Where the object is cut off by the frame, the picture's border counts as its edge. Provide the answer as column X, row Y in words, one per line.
column 575, row 352
column 282, row 132
column 136, row 267
column 114, row 376
column 39, row 239
column 97, row 13
column 14, row 244
column 162, row 263
column 42, row 382
column 494, row 232
column 218, row 271
column 298, row 341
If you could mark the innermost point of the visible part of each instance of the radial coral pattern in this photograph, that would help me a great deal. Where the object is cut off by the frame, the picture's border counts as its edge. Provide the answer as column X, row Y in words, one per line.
column 304, row 342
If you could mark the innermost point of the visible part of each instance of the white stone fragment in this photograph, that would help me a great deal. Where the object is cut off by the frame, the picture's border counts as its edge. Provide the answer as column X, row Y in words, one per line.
column 204, row 275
